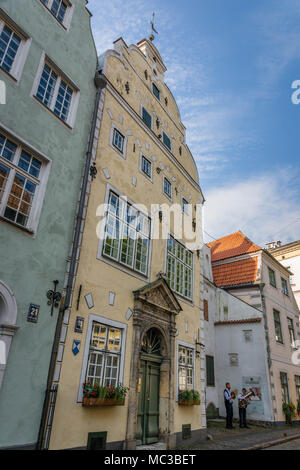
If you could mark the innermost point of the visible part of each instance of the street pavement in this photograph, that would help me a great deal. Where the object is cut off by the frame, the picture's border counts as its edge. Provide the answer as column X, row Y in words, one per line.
column 292, row 445
column 238, row 439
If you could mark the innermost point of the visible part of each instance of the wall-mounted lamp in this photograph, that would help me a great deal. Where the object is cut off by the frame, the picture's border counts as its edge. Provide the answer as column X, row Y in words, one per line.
column 53, row 297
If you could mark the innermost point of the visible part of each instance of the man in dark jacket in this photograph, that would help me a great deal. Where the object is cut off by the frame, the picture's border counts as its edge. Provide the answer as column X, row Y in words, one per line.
column 228, row 405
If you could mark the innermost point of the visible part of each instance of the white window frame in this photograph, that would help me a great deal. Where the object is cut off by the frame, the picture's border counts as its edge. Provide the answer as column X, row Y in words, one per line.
column 68, row 16
column 286, row 285
column 150, row 178
column 111, row 261
column 22, row 53
column 182, row 296
column 41, row 182
column 70, row 122
column 190, row 346
column 169, row 148
column 111, row 141
column 163, row 188
column 144, row 107
column 185, row 211
column 109, row 323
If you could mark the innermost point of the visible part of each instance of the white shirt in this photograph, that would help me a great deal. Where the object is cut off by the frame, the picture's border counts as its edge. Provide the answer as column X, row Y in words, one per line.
column 227, row 395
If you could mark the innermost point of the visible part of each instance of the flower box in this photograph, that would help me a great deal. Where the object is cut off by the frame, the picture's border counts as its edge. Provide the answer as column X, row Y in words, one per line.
column 91, row 402
column 188, row 402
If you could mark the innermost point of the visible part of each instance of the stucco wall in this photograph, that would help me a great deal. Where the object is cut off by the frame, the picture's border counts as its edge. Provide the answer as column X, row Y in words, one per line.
column 31, row 264
column 98, row 276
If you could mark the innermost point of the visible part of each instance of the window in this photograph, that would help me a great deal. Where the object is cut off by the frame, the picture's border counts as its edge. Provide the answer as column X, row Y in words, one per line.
column 185, row 368
column 284, row 286
column 147, row 118
column 167, row 187
column 9, row 45
column 118, row 140
column 104, row 355
column 179, row 268
column 272, row 277
column 284, row 387
column 297, row 383
column 210, row 371
column 156, row 91
column 185, row 205
column 56, row 93
column 166, row 140
column 59, row 9
column 127, row 235
column 205, row 310
column 278, row 331
column 146, row 166
column 21, row 175
column 291, row 331
column 14, row 47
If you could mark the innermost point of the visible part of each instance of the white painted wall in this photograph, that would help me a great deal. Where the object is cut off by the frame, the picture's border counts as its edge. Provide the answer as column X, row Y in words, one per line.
column 222, row 340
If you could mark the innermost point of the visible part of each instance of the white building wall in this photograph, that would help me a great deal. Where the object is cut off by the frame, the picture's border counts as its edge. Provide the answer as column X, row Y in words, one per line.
column 222, row 340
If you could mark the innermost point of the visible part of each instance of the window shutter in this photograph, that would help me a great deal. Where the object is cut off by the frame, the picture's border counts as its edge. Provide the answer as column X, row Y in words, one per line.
column 205, row 308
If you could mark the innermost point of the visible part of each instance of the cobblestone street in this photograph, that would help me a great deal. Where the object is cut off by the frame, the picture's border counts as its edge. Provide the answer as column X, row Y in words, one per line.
column 238, row 439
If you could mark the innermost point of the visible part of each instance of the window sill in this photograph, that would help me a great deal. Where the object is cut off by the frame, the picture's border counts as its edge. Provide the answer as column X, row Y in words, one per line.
column 14, row 224
column 53, row 114
column 12, row 77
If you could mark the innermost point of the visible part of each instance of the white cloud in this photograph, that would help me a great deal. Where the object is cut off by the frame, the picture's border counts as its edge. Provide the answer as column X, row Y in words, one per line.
column 263, row 207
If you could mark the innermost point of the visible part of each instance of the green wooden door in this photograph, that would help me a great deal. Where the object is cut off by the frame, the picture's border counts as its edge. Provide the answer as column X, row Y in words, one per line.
column 148, row 406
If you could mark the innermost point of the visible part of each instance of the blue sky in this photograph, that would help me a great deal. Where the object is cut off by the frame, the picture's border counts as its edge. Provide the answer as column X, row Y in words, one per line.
column 230, row 65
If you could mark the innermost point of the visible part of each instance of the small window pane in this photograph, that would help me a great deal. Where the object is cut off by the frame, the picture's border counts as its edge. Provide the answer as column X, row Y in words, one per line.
column 156, row 91
column 9, row 45
column 166, row 140
column 118, row 140
column 147, row 118
column 167, row 187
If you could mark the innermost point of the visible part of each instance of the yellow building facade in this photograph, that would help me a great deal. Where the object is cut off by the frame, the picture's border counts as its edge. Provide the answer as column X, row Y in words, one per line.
column 136, row 309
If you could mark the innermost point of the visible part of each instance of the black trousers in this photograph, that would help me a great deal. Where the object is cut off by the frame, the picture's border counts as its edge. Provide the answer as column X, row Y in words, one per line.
column 229, row 414
column 242, row 414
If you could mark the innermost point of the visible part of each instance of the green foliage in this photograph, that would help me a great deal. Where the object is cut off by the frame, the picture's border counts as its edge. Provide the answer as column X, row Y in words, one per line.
column 95, row 391
column 188, row 395
column 289, row 410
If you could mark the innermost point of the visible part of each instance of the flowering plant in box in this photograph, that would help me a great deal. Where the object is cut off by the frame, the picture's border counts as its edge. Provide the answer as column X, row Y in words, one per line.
column 90, row 390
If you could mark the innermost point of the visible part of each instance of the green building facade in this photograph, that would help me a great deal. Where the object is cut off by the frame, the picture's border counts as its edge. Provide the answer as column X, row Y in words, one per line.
column 47, row 93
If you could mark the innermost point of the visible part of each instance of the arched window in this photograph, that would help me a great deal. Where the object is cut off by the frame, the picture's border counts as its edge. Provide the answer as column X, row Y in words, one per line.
column 8, row 318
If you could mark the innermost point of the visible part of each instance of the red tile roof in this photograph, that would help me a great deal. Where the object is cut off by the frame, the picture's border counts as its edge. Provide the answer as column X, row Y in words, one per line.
column 233, row 322
column 238, row 272
column 232, row 245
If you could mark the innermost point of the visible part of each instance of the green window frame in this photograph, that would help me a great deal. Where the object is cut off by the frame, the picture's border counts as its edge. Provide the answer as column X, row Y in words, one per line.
column 147, row 118
column 277, row 323
column 272, row 277
column 210, row 371
column 180, row 269
column 284, row 387
column 167, row 141
column 127, row 235
column 156, row 91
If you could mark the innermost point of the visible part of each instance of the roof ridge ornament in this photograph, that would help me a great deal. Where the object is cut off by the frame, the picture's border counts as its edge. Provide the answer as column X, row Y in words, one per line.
column 153, row 30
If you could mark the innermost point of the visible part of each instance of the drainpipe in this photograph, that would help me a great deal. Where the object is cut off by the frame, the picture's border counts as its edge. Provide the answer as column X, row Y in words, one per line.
column 100, row 83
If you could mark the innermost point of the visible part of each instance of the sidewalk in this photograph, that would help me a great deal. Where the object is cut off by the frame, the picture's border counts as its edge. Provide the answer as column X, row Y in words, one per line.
column 224, row 439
